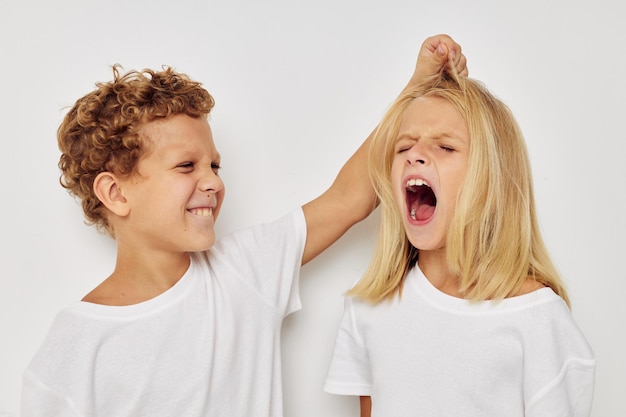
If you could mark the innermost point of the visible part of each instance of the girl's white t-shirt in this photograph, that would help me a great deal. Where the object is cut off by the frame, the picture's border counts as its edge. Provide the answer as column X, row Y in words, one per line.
column 430, row 354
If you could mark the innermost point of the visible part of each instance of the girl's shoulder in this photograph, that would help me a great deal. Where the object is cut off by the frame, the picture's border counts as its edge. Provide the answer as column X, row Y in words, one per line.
column 530, row 285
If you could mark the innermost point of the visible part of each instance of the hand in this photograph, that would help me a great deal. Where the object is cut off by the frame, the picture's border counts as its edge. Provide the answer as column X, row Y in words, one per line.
column 438, row 53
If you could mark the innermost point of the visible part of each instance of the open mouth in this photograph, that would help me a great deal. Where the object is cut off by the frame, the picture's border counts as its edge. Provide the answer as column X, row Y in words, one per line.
column 420, row 200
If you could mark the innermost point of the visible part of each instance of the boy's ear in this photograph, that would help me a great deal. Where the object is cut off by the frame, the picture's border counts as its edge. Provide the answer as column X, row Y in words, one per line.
column 107, row 188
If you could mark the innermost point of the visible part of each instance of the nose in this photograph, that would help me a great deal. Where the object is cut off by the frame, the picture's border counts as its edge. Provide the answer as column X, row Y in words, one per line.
column 416, row 155
column 210, row 182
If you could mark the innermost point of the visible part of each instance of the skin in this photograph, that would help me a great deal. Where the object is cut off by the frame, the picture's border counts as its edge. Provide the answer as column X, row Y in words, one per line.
column 432, row 145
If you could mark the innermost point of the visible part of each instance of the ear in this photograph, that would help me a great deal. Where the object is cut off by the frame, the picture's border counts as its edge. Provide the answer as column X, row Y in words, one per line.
column 107, row 188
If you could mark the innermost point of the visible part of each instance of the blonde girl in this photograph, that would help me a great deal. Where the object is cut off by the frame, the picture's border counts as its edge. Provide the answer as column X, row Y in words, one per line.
column 461, row 311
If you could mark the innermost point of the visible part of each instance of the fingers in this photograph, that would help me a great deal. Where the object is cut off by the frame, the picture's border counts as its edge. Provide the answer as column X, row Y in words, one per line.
column 437, row 54
column 446, row 49
column 458, row 61
column 431, row 61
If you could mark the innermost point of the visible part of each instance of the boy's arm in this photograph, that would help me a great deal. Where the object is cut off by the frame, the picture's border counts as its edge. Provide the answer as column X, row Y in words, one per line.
column 351, row 197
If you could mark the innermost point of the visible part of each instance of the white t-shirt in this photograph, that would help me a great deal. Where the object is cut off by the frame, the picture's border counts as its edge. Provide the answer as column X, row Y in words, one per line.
column 429, row 354
column 209, row 346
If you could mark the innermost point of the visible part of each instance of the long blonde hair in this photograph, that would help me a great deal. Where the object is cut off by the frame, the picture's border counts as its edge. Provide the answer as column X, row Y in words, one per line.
column 494, row 242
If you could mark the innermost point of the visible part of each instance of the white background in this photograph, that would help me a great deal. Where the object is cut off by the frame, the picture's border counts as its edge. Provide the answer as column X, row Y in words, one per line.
column 298, row 85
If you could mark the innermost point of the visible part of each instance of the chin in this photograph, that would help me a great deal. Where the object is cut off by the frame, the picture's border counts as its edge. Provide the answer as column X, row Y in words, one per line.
column 209, row 245
column 204, row 245
column 426, row 245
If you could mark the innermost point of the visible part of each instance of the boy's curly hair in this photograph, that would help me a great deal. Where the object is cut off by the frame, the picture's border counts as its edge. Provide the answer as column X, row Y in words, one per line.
column 99, row 133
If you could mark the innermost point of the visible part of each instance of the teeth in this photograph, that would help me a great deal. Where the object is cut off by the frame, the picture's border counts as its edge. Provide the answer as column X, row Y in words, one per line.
column 202, row 211
column 416, row 182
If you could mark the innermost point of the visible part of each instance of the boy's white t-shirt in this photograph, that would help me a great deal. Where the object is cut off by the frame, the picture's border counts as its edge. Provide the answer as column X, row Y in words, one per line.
column 429, row 354
column 209, row 346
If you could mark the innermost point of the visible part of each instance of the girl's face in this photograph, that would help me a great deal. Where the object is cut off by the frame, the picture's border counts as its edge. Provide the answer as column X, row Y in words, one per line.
column 428, row 169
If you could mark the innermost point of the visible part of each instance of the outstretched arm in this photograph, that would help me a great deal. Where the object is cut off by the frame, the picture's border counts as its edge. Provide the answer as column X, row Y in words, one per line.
column 351, row 197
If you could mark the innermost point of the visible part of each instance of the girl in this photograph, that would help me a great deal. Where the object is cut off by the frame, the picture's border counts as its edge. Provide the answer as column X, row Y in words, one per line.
column 461, row 311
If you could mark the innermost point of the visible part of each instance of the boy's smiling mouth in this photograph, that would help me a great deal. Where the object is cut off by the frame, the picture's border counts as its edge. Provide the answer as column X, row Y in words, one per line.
column 420, row 199
column 202, row 211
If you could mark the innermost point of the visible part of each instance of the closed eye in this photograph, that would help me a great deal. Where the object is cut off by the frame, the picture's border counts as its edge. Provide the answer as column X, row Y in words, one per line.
column 447, row 149
column 186, row 165
column 400, row 148
column 215, row 167
column 404, row 144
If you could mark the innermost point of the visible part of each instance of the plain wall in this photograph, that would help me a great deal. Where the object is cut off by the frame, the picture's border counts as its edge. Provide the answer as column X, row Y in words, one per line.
column 299, row 85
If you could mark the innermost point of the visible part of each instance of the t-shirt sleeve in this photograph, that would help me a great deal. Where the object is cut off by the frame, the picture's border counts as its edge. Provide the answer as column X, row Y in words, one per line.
column 349, row 371
column 38, row 400
column 560, row 375
column 268, row 258
column 569, row 395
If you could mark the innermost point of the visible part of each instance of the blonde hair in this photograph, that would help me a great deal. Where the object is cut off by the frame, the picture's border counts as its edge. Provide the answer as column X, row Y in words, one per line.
column 99, row 133
column 494, row 242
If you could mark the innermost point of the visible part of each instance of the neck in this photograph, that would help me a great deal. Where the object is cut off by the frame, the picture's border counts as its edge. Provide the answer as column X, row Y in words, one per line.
column 139, row 276
column 434, row 265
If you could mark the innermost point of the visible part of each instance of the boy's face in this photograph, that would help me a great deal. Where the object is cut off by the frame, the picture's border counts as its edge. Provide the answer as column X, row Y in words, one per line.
column 176, row 194
column 429, row 165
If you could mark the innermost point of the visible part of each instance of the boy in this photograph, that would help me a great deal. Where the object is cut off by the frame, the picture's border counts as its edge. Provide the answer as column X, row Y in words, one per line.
column 185, row 325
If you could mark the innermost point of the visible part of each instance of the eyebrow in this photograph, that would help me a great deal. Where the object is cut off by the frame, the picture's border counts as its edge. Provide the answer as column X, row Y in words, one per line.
column 437, row 136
